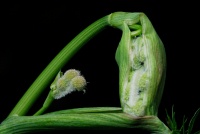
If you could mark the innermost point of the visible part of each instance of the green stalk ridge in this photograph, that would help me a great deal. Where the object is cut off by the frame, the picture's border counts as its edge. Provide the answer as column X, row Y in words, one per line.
column 44, row 79
column 92, row 118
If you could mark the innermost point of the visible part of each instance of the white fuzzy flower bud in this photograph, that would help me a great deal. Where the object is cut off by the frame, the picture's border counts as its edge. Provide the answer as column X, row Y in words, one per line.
column 78, row 83
column 67, row 83
column 70, row 74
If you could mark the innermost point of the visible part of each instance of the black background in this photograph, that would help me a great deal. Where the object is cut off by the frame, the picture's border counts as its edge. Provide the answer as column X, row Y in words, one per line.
column 33, row 33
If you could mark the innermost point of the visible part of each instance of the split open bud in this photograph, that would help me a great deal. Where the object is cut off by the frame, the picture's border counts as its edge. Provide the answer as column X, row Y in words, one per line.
column 142, row 64
column 68, row 82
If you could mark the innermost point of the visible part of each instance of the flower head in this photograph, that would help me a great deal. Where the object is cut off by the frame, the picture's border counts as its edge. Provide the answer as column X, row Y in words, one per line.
column 67, row 83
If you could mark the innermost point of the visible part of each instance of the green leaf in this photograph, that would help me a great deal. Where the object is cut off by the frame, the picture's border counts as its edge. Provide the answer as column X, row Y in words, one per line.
column 182, row 129
column 173, row 119
column 191, row 124
column 198, row 132
column 169, row 121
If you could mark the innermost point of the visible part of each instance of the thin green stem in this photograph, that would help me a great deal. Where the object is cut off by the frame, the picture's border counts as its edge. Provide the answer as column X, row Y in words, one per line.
column 46, row 104
column 44, row 79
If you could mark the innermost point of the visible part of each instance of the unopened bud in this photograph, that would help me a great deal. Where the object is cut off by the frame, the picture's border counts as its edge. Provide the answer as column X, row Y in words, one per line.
column 78, row 83
column 67, row 83
column 71, row 73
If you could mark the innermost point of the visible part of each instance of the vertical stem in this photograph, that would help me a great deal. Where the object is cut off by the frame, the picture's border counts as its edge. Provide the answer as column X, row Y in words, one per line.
column 44, row 79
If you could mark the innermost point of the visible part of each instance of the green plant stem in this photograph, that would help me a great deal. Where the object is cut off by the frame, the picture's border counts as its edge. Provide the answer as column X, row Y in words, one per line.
column 110, row 119
column 46, row 104
column 44, row 79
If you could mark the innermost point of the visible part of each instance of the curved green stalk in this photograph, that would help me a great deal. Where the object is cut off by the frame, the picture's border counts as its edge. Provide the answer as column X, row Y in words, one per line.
column 101, row 119
column 44, row 79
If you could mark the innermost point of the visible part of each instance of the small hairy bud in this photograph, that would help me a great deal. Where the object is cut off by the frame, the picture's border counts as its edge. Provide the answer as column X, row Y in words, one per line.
column 71, row 73
column 67, row 83
column 62, row 84
column 78, row 83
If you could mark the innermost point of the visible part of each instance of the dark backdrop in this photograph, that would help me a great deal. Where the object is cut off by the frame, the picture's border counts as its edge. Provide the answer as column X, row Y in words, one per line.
column 33, row 33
